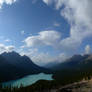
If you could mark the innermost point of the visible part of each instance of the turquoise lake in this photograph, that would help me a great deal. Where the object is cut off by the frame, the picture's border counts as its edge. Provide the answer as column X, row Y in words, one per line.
column 28, row 80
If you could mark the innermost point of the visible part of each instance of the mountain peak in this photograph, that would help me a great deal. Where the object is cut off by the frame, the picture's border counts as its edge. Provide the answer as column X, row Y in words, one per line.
column 76, row 56
column 12, row 52
column 17, row 66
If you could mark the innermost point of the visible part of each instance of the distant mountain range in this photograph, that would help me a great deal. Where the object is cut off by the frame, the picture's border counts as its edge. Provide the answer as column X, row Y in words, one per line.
column 74, row 62
column 74, row 68
column 68, row 63
column 51, row 64
column 13, row 66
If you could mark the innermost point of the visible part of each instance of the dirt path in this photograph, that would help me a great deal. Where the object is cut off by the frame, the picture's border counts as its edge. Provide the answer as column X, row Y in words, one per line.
column 83, row 86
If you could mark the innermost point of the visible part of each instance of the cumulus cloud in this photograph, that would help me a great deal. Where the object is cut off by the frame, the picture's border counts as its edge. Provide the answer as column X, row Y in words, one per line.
column 9, row 2
column 79, row 15
column 43, row 58
column 4, row 48
column 87, row 49
column 49, row 38
column 48, row 1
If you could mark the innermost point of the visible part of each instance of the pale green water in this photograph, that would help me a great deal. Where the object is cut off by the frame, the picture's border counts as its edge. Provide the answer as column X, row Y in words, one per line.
column 28, row 80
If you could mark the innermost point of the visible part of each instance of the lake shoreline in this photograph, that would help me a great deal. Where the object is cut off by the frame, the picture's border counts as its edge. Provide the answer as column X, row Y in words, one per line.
column 30, row 79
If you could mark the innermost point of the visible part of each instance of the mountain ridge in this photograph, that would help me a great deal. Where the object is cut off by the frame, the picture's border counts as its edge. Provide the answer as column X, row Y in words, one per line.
column 16, row 66
column 72, row 62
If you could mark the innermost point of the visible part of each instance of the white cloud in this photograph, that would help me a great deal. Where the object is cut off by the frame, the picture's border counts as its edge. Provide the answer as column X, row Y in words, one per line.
column 9, row 2
column 9, row 48
column 43, row 58
column 62, row 57
column 7, row 40
column 48, row 1
column 4, row 48
column 49, row 38
column 79, row 15
column 23, row 46
column 87, row 49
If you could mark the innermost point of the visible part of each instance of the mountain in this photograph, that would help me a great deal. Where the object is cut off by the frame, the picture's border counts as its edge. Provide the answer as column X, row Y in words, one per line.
column 7, row 71
column 51, row 64
column 22, row 62
column 72, row 62
column 75, row 68
column 13, row 65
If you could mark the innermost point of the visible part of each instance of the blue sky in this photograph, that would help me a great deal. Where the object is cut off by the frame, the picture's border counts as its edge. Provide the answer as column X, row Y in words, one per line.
column 28, row 17
column 46, row 30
